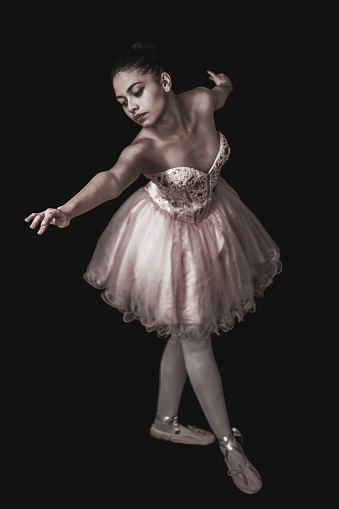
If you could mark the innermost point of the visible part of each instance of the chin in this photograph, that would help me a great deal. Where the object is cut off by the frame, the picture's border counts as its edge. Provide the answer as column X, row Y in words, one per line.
column 147, row 123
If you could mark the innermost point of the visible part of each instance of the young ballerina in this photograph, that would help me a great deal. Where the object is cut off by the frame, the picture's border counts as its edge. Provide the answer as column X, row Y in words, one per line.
column 183, row 254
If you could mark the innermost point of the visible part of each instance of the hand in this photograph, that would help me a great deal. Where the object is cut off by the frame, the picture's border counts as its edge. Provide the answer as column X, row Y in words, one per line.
column 220, row 79
column 56, row 217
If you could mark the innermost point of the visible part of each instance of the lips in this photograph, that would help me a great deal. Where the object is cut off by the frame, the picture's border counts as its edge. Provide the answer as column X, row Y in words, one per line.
column 139, row 117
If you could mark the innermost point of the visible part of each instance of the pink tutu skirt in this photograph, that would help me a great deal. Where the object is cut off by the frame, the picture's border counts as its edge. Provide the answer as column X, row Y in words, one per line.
column 182, row 279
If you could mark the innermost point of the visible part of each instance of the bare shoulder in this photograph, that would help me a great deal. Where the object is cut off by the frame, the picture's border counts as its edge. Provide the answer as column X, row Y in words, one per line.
column 200, row 98
column 132, row 161
column 137, row 153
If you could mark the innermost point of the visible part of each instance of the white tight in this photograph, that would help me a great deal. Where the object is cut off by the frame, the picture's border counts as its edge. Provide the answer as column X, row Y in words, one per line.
column 193, row 358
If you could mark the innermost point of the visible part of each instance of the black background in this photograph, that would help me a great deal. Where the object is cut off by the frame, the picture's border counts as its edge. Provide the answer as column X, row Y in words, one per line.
column 86, row 383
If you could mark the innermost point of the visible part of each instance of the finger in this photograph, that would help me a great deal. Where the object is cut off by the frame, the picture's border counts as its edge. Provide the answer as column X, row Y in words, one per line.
column 38, row 218
column 212, row 76
column 30, row 217
column 44, row 225
column 43, row 228
column 51, row 217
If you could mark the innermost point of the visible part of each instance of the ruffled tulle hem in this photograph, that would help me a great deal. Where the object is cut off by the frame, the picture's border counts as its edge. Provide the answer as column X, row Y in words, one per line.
column 186, row 331
column 274, row 267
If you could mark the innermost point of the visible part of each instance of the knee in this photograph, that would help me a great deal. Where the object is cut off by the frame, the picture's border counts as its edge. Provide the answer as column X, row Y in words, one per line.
column 196, row 346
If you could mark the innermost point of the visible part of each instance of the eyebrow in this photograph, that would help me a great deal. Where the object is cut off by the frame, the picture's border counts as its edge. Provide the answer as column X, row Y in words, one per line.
column 129, row 89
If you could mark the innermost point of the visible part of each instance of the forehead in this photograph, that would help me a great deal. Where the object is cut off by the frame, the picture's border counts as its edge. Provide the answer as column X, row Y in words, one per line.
column 124, row 79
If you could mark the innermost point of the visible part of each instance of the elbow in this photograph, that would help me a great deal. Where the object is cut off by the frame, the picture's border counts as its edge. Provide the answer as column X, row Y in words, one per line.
column 223, row 97
column 106, row 186
column 114, row 187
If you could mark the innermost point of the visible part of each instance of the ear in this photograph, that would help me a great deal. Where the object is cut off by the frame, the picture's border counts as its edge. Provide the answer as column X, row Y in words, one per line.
column 166, row 81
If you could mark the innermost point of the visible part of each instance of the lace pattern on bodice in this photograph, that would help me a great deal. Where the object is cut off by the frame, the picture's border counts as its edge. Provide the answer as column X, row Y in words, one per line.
column 185, row 193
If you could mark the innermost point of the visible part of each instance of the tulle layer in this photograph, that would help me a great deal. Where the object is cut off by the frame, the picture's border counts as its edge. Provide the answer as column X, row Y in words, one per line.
column 179, row 278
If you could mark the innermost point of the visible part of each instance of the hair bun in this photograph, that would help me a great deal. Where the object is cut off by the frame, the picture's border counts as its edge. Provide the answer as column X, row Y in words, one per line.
column 142, row 56
column 143, row 47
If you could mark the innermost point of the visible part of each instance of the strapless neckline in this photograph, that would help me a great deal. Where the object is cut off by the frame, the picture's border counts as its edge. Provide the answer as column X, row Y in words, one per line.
column 190, row 167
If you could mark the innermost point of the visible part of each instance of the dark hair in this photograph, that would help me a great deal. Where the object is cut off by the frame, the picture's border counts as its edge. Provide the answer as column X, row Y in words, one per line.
column 143, row 57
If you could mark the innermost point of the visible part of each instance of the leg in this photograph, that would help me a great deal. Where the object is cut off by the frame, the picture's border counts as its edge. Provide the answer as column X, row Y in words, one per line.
column 198, row 359
column 173, row 376
column 206, row 382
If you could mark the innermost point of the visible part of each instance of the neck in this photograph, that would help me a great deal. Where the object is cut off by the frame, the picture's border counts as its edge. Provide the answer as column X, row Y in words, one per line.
column 173, row 120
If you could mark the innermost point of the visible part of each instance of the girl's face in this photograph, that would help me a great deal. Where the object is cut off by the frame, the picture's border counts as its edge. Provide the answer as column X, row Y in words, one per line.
column 143, row 98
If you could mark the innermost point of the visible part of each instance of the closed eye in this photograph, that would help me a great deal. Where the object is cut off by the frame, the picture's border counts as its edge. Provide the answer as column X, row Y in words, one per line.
column 139, row 92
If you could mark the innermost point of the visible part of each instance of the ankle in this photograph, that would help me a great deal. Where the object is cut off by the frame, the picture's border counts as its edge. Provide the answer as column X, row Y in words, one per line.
column 229, row 442
column 233, row 451
column 167, row 424
column 230, row 437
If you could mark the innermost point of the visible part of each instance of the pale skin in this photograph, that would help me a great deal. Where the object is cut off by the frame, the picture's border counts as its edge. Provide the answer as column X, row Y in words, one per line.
column 176, row 130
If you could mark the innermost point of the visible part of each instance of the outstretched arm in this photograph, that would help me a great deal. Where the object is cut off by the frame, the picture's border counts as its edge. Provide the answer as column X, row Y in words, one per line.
column 222, row 89
column 104, row 186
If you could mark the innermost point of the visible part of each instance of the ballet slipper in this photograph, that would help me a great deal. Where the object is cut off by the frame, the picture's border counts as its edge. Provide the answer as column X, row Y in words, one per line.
column 246, row 477
column 172, row 431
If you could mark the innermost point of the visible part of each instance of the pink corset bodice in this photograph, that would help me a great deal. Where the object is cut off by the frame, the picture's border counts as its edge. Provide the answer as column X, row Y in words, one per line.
column 185, row 193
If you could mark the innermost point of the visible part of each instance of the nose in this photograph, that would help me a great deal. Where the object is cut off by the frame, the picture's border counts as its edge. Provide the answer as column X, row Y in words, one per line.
column 132, row 106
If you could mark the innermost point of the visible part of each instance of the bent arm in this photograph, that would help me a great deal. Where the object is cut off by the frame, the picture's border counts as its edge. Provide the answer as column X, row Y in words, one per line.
column 222, row 89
